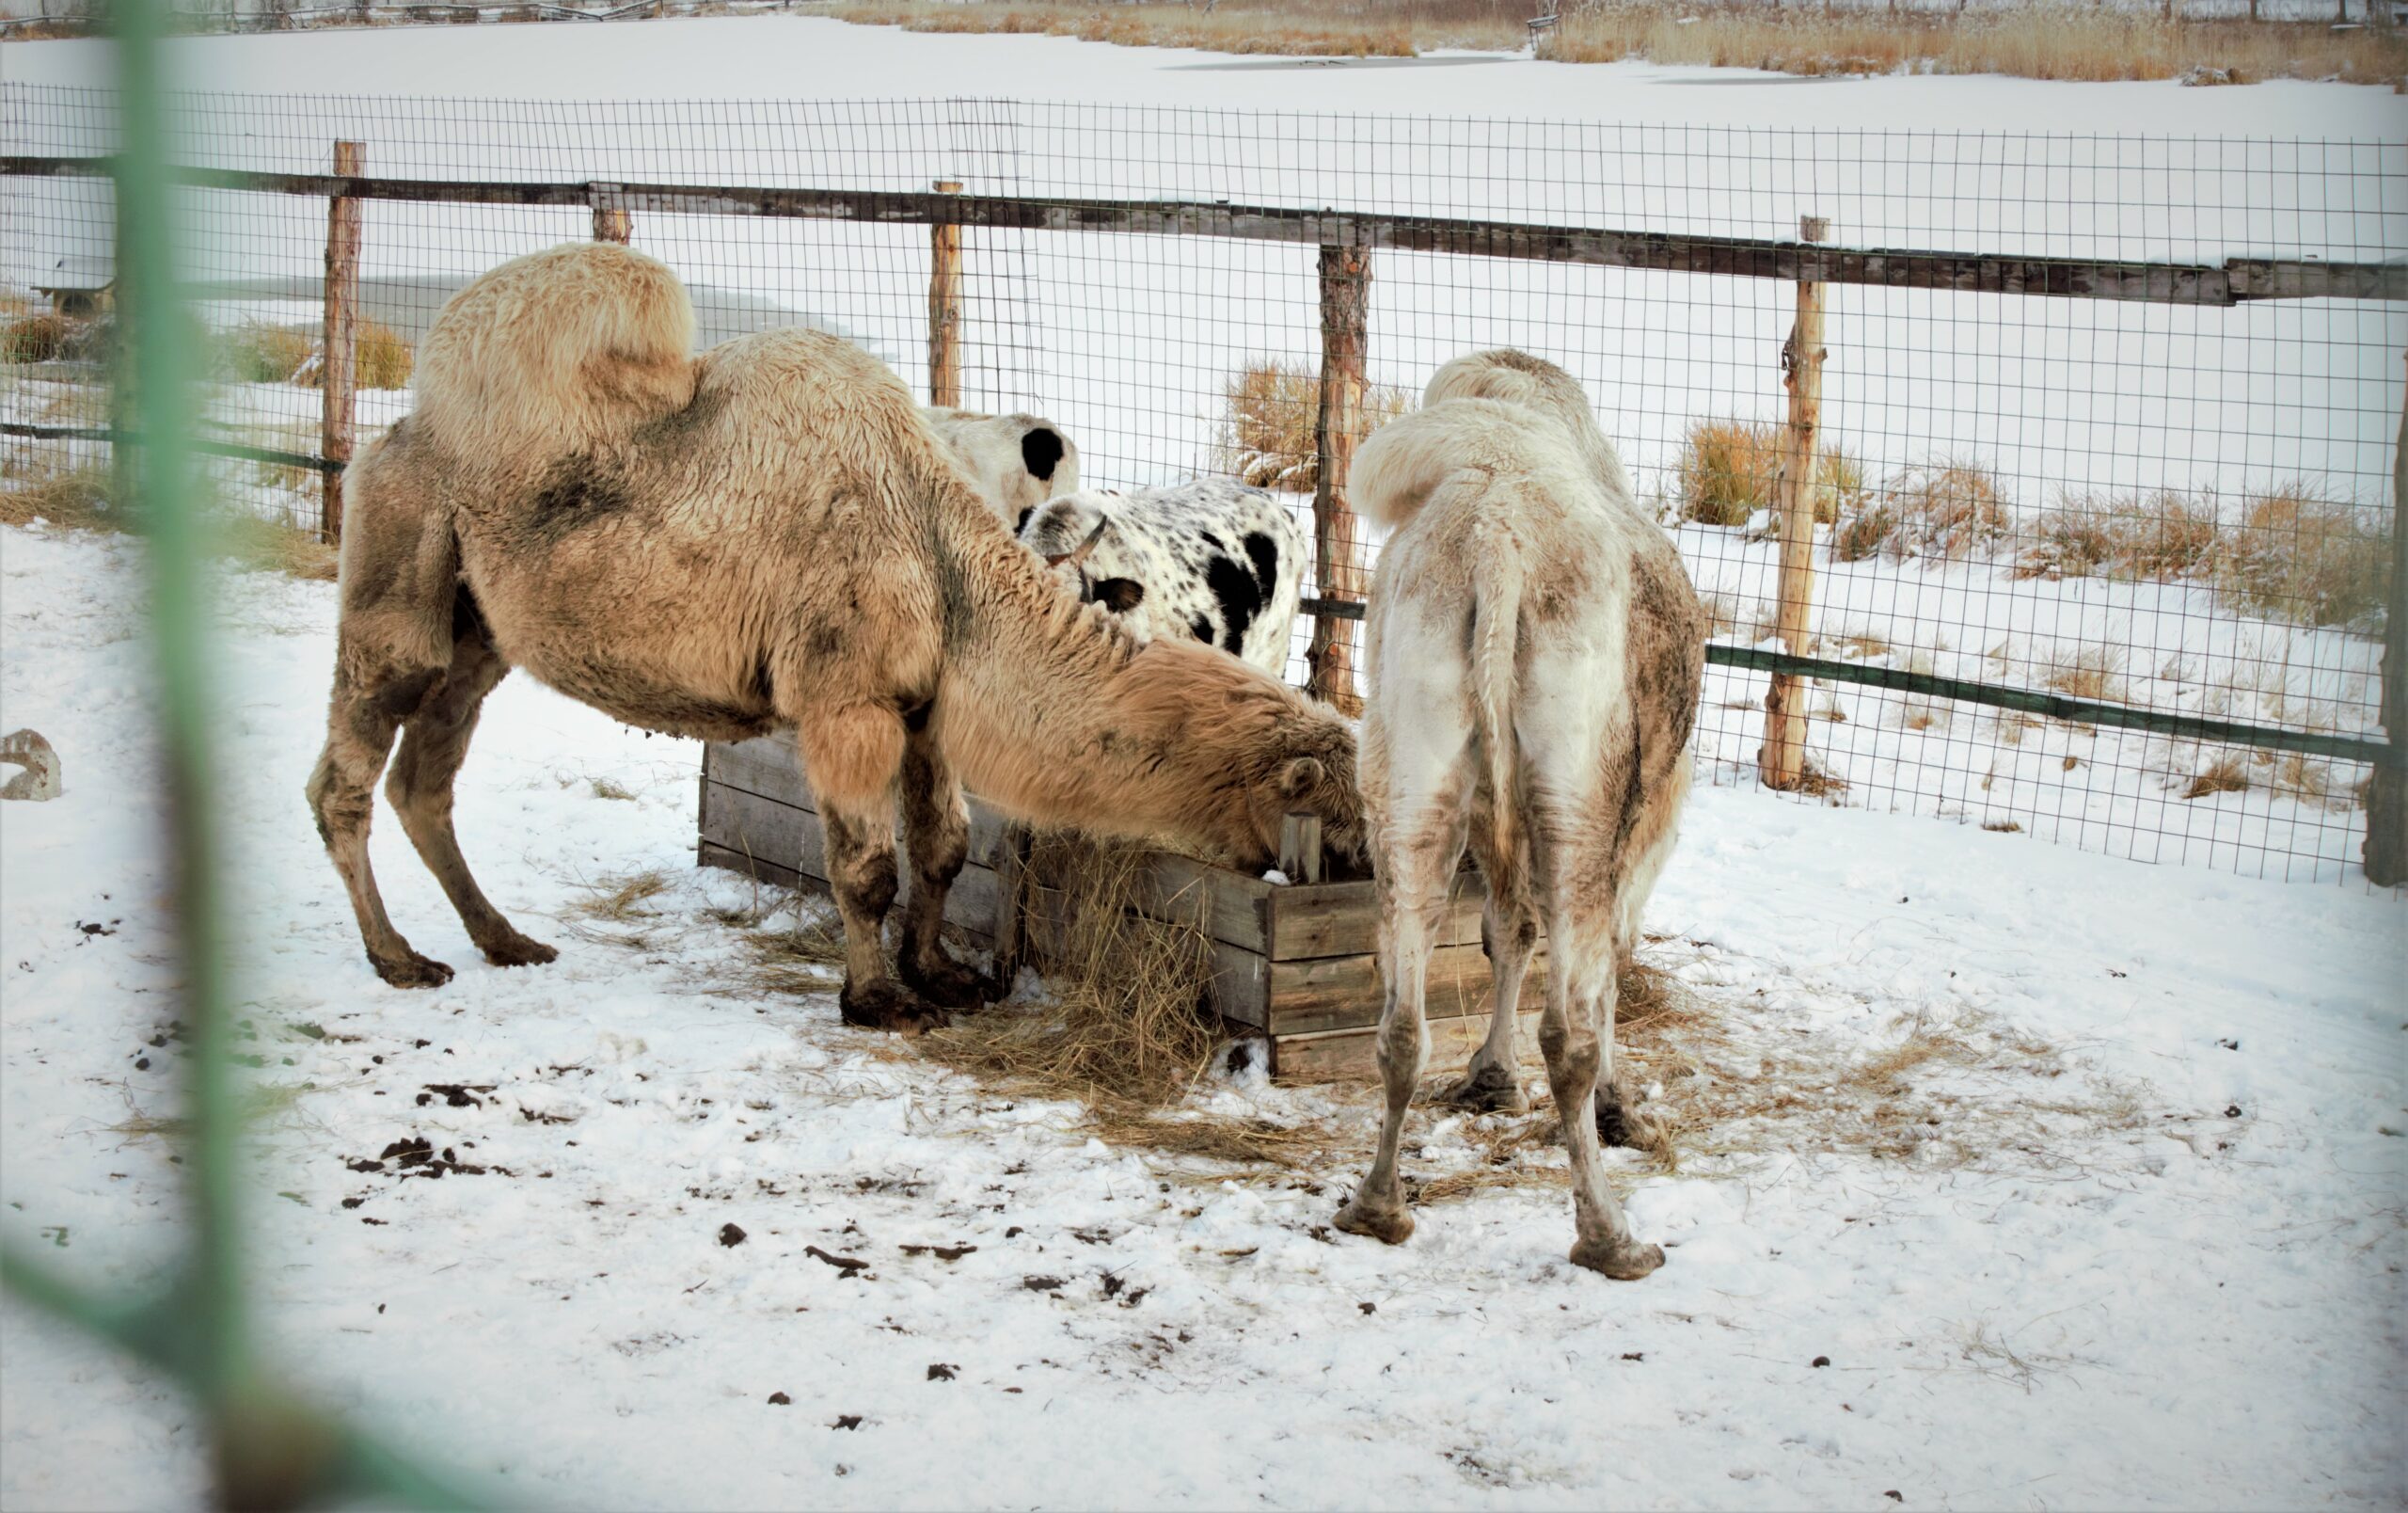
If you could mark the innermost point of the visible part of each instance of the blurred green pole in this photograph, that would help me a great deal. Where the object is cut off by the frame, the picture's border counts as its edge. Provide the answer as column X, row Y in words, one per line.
column 272, row 1451
column 169, row 505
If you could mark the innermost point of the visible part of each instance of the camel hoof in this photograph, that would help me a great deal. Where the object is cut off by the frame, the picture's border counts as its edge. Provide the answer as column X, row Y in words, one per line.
column 889, row 1006
column 1623, row 1263
column 1390, row 1224
column 411, row 971
column 948, row 985
column 518, row 951
column 1492, row 1089
column 1629, row 1121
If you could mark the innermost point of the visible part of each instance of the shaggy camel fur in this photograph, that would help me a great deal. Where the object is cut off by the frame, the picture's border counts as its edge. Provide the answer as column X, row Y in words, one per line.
column 765, row 537
column 1534, row 655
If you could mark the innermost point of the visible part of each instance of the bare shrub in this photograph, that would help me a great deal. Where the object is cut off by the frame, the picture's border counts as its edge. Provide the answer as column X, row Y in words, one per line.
column 2301, row 556
column 1268, row 431
column 1730, row 470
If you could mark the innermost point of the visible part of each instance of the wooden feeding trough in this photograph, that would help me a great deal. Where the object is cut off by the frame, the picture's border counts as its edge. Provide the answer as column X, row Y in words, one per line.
column 1291, row 963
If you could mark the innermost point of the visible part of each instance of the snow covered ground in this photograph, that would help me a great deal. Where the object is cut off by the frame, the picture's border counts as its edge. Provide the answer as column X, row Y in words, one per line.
column 2009, row 1176
column 2085, row 1180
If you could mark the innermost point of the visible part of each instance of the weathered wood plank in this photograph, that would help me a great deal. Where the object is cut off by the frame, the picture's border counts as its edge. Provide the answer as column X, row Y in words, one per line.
column 1332, row 992
column 1342, row 918
column 761, row 832
column 1231, row 907
column 765, row 766
column 2237, row 279
column 1352, row 1054
column 752, row 825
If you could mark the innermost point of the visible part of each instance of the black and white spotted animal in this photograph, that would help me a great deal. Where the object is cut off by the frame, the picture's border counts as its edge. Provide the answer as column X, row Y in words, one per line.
column 1210, row 559
column 1018, row 461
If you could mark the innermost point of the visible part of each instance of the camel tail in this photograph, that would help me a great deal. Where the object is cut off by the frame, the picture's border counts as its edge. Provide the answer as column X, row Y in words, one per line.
column 1495, row 636
column 557, row 353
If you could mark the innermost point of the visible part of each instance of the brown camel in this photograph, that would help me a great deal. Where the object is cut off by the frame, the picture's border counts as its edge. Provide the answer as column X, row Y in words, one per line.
column 766, row 536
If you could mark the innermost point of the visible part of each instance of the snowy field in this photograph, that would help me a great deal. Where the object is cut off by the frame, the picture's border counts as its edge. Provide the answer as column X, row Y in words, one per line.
column 2006, row 1176
column 2083, row 1177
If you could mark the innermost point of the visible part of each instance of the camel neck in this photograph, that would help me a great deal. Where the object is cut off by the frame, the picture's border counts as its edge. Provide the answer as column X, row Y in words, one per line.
column 1050, row 711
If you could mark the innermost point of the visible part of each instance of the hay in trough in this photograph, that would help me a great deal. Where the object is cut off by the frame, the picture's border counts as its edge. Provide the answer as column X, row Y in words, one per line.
column 1129, row 1025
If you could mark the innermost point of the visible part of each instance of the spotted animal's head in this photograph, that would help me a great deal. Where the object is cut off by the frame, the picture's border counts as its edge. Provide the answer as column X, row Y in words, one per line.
column 1067, row 533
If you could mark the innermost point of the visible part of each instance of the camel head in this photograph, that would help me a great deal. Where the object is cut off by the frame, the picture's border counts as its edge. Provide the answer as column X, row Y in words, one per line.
column 1312, row 772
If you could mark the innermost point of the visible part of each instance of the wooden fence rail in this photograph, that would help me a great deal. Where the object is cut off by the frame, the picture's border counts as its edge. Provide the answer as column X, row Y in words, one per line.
column 2231, row 282
column 1346, row 241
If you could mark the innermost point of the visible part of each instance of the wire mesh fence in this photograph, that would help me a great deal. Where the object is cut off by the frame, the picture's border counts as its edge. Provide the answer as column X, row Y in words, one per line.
column 2107, row 456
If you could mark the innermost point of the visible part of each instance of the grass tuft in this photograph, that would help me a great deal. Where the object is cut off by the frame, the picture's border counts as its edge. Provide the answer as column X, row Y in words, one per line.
column 1730, row 470
column 2095, row 673
column 34, row 339
column 1938, row 511
column 258, row 353
column 2301, row 556
column 1272, row 411
column 2226, row 774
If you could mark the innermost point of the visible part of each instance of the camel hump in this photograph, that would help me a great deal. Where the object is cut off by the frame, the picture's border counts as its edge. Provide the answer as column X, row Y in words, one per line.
column 555, row 353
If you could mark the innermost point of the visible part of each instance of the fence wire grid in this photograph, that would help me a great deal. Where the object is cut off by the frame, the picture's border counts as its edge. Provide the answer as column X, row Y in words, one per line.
column 2172, row 507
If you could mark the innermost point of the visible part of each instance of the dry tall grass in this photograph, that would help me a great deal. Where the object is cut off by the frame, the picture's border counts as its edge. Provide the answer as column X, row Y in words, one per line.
column 2066, row 42
column 77, row 498
column 2162, row 536
column 258, row 353
column 1273, row 409
column 1940, row 510
column 2083, row 44
column 1730, row 470
column 81, row 497
column 2302, row 555
column 33, row 338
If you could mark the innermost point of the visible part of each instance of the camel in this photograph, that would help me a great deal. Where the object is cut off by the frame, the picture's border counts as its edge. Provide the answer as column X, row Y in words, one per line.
column 766, row 536
column 1534, row 654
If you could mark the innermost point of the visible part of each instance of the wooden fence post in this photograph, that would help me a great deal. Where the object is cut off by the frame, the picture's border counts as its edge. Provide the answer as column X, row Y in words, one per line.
column 2387, row 847
column 944, row 306
column 1338, row 544
column 1782, row 760
column 611, row 222
column 342, row 365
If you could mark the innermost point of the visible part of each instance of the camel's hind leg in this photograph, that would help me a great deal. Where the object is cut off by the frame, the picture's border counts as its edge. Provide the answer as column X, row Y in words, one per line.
column 435, row 741
column 1509, row 935
column 1416, row 866
column 371, row 697
column 935, row 840
column 853, row 755
column 1575, row 1035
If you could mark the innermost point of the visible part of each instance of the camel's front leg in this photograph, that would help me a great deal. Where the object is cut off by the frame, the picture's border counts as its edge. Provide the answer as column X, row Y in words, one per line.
column 935, row 840
column 852, row 758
